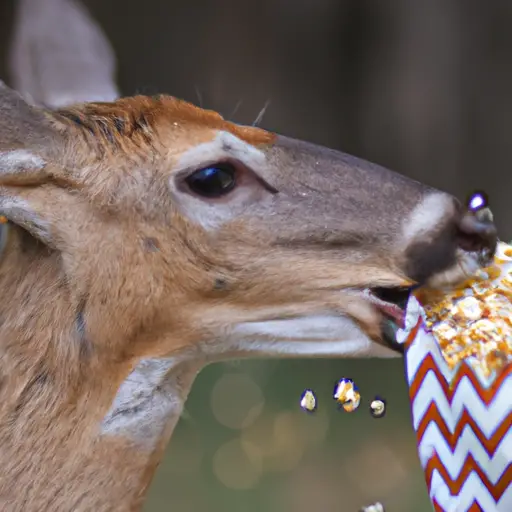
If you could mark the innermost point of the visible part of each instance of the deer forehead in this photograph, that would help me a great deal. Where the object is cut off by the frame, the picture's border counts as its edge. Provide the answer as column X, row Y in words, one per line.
column 126, row 148
column 190, row 145
column 160, row 121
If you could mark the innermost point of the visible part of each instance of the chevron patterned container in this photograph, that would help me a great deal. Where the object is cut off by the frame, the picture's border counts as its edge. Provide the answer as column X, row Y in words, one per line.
column 459, row 373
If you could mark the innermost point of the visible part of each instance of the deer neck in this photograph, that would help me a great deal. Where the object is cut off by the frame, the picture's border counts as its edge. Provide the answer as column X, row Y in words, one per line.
column 78, row 432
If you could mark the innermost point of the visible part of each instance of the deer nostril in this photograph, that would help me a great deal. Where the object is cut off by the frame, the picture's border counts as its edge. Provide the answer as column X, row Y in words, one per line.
column 477, row 232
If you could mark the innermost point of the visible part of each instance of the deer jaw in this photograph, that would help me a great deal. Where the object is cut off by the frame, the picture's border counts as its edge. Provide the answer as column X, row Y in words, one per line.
column 123, row 280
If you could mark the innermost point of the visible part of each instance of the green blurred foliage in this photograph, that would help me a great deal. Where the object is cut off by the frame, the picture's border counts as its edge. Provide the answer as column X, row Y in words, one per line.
column 243, row 442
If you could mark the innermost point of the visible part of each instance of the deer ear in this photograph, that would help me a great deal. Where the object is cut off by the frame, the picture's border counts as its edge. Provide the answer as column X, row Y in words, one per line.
column 28, row 142
column 26, row 127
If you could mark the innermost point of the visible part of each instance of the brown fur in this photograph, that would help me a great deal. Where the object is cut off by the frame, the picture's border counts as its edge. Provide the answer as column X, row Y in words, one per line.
column 138, row 117
column 104, row 268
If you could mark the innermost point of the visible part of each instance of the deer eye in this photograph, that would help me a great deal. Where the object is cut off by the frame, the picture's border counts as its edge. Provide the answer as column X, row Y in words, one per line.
column 214, row 181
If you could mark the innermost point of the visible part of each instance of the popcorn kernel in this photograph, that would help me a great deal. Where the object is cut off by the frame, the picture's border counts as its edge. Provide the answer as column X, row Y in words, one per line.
column 347, row 394
column 475, row 320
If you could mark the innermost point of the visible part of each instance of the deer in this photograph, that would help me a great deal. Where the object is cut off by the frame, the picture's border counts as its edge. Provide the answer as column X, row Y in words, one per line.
column 143, row 238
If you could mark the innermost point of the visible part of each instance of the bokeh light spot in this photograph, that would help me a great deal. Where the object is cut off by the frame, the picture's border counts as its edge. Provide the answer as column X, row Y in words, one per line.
column 282, row 440
column 235, row 468
column 236, row 400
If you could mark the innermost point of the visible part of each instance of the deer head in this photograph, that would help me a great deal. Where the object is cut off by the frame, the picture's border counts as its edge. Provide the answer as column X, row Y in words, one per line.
column 209, row 237
column 147, row 237
column 149, row 229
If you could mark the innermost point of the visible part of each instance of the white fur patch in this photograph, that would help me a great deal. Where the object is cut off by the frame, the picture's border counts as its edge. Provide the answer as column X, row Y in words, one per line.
column 314, row 336
column 427, row 216
column 223, row 147
column 19, row 162
column 150, row 401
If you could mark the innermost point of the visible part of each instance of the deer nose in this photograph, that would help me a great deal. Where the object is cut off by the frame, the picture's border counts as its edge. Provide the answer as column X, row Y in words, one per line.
column 477, row 232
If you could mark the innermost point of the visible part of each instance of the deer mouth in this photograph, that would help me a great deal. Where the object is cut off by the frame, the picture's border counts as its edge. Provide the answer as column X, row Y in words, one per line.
column 392, row 303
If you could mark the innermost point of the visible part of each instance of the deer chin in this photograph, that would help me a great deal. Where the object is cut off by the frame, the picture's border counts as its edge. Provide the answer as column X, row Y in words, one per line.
column 363, row 324
column 307, row 336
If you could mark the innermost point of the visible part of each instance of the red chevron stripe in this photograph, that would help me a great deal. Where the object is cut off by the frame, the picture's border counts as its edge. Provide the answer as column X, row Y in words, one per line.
column 470, row 465
column 437, row 507
column 474, row 507
column 412, row 334
column 486, row 395
column 433, row 415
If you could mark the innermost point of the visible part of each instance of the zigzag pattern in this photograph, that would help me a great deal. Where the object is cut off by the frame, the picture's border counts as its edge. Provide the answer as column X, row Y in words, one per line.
column 466, row 425
column 469, row 468
column 452, row 404
column 464, row 428
column 450, row 379
column 473, row 496
column 467, row 444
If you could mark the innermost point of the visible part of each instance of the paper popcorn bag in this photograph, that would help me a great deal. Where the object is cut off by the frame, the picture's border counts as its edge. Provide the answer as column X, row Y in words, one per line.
column 458, row 357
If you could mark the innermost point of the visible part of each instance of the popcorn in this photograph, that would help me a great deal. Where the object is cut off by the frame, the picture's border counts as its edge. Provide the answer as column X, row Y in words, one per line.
column 473, row 323
column 347, row 394
column 458, row 358
column 308, row 400
column 378, row 408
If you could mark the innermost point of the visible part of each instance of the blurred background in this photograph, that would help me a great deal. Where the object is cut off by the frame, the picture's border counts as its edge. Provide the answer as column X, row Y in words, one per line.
column 422, row 87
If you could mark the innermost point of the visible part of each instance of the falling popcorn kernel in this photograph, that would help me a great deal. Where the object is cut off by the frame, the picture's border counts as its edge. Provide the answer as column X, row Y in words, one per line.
column 308, row 400
column 347, row 394
column 378, row 407
column 376, row 507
